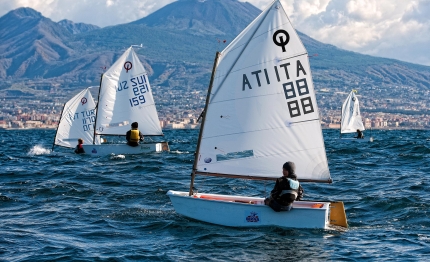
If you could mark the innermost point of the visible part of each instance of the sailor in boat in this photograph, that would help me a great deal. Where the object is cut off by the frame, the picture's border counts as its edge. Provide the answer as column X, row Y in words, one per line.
column 287, row 189
column 133, row 136
column 80, row 148
column 359, row 134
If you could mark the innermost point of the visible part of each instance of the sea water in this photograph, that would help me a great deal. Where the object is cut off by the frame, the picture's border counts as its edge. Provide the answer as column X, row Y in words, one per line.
column 59, row 206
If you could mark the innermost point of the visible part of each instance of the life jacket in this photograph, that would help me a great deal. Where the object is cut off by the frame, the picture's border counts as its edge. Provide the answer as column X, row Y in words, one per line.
column 290, row 191
column 134, row 135
column 79, row 149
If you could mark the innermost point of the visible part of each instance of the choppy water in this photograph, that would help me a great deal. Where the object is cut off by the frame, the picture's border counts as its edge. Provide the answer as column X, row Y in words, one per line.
column 66, row 207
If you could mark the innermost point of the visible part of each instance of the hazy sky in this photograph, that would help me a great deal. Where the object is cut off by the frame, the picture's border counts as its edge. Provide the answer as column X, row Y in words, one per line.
column 397, row 29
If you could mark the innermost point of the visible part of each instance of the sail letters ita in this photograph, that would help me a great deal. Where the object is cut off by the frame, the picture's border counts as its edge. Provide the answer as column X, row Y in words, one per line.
column 282, row 75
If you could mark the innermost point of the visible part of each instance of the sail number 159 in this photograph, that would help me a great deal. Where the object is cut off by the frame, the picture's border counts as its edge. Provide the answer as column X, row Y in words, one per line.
column 139, row 97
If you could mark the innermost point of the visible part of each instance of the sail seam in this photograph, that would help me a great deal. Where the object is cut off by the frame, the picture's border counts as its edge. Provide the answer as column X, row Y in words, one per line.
column 310, row 120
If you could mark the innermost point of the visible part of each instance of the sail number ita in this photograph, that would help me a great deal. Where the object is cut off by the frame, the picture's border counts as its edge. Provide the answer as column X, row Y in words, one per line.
column 139, row 86
column 296, row 90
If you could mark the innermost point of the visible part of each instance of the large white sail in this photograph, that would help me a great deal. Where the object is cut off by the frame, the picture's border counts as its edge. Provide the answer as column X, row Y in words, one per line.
column 351, row 118
column 77, row 121
column 262, row 110
column 125, row 97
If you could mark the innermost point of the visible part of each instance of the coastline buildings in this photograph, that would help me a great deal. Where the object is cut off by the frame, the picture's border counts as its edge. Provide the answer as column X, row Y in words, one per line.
column 180, row 108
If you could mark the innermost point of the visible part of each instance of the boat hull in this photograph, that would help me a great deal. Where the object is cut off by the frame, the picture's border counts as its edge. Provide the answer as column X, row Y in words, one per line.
column 238, row 211
column 124, row 149
column 355, row 140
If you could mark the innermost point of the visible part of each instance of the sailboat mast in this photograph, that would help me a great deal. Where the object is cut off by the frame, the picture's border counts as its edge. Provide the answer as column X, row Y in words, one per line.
column 59, row 121
column 196, row 157
column 97, row 109
column 340, row 129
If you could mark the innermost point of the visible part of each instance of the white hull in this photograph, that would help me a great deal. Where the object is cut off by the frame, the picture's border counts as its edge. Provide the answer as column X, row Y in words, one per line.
column 124, row 149
column 355, row 140
column 238, row 211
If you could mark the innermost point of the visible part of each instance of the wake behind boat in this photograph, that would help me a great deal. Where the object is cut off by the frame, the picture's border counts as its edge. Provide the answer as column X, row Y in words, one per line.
column 351, row 120
column 125, row 97
column 260, row 111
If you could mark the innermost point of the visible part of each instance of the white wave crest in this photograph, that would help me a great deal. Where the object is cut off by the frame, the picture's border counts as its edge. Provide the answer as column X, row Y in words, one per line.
column 38, row 150
column 179, row 152
column 113, row 156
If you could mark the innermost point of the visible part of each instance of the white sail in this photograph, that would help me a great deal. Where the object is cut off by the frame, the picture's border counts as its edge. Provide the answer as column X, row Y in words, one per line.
column 77, row 121
column 125, row 97
column 262, row 110
column 351, row 118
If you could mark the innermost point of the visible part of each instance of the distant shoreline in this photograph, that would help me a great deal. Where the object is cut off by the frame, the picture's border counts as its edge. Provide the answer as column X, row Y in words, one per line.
column 324, row 128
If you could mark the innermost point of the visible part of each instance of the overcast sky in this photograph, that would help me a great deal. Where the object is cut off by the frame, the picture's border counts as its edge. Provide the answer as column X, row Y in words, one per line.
column 397, row 29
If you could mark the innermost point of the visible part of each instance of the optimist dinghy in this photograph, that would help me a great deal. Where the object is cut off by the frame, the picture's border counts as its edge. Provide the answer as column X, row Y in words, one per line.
column 125, row 97
column 351, row 120
column 77, row 121
column 260, row 112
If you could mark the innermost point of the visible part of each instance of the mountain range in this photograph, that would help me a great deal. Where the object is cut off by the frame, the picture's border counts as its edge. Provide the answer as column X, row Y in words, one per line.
column 179, row 42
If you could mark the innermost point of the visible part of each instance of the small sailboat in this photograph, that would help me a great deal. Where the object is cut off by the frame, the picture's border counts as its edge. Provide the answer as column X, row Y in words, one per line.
column 351, row 120
column 260, row 112
column 125, row 97
column 77, row 121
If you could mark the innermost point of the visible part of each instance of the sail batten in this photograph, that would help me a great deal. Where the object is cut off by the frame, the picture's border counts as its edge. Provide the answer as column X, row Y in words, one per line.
column 262, row 111
column 126, row 97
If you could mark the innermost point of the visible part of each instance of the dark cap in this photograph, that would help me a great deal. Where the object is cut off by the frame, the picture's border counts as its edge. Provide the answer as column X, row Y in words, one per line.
column 134, row 125
column 290, row 166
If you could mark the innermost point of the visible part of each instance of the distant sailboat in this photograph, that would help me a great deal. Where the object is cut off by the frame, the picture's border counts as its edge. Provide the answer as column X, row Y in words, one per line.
column 125, row 97
column 351, row 120
column 77, row 121
column 260, row 112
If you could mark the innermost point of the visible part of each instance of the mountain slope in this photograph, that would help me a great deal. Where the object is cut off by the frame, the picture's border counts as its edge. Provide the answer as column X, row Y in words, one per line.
column 77, row 28
column 203, row 17
column 179, row 43
column 29, row 43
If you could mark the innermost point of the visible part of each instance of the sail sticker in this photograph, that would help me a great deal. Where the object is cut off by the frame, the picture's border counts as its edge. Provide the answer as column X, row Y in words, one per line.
column 122, row 123
column 234, row 155
column 127, row 66
column 252, row 217
column 208, row 160
column 84, row 100
column 282, row 33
